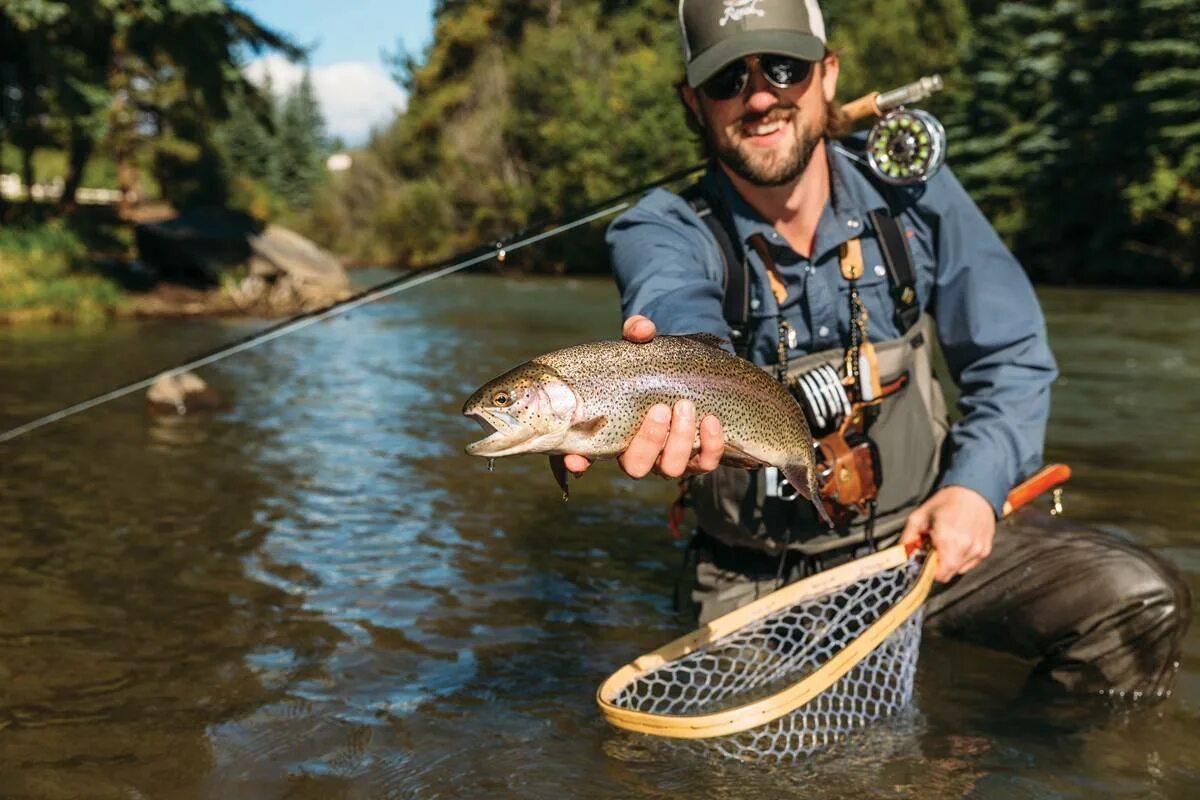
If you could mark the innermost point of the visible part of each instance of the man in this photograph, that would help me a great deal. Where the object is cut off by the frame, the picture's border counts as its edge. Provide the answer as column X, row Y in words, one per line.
column 811, row 226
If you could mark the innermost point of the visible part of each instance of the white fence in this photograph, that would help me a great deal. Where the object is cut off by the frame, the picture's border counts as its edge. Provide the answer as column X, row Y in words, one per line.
column 11, row 188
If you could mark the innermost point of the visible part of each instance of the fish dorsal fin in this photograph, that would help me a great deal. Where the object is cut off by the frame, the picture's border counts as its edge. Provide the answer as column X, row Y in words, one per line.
column 707, row 338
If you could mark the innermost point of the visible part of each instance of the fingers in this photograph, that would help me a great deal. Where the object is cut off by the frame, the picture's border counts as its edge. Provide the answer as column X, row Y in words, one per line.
column 712, row 446
column 638, row 329
column 666, row 443
column 960, row 549
column 641, row 455
column 917, row 524
column 678, row 448
column 576, row 464
column 960, row 523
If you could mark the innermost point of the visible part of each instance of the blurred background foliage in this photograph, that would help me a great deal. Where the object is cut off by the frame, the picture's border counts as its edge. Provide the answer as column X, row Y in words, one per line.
column 1074, row 123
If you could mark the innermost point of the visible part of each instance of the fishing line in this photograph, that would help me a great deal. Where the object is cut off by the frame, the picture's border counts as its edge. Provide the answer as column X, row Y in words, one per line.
column 499, row 251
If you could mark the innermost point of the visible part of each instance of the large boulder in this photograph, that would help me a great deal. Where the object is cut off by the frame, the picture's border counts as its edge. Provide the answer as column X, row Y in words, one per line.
column 196, row 247
column 284, row 272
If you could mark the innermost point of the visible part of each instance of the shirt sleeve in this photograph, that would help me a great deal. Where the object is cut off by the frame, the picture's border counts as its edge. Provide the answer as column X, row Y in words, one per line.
column 993, row 335
column 667, row 266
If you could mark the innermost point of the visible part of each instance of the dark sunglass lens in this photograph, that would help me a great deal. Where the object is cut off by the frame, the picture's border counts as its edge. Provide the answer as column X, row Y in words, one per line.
column 728, row 82
column 784, row 70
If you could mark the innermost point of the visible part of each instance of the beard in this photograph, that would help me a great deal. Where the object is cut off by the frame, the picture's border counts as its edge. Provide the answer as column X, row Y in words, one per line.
column 768, row 167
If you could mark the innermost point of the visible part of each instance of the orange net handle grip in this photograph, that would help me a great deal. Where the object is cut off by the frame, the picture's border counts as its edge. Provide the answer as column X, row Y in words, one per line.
column 1042, row 481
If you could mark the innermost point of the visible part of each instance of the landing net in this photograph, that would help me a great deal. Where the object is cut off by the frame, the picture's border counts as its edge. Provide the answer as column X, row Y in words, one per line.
column 790, row 673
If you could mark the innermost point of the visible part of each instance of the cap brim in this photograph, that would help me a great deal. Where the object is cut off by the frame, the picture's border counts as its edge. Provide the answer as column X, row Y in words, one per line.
column 787, row 43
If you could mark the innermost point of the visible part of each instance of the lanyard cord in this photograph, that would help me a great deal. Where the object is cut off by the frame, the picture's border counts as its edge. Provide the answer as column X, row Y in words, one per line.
column 856, row 334
column 386, row 289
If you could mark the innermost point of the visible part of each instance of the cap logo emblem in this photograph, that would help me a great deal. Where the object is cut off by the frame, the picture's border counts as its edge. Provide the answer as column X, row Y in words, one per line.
column 737, row 9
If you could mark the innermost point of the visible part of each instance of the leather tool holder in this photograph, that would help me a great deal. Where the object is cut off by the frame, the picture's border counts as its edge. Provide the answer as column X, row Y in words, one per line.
column 849, row 469
column 849, row 476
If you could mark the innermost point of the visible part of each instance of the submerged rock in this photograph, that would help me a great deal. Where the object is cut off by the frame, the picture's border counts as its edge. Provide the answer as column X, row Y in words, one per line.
column 181, row 394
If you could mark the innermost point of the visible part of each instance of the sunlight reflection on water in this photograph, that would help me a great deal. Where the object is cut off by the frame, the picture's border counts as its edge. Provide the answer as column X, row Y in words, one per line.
column 316, row 593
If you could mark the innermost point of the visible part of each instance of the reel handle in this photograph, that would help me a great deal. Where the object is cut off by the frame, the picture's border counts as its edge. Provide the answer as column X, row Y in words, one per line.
column 876, row 104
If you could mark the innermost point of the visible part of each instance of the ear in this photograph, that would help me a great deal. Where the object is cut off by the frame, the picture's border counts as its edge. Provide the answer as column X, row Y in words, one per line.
column 829, row 76
column 688, row 95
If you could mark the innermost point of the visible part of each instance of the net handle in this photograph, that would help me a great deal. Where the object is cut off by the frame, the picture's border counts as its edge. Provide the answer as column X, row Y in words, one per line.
column 763, row 711
column 752, row 715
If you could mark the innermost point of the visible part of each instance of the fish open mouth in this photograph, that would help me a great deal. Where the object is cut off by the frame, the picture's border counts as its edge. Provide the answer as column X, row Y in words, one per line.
column 506, row 434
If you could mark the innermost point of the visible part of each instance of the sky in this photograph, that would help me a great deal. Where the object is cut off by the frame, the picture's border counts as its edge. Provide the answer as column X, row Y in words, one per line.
column 347, row 38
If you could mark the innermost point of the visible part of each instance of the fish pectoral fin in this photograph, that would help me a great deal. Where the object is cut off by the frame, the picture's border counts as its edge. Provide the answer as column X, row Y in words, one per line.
column 558, row 467
column 589, row 426
column 736, row 457
column 707, row 338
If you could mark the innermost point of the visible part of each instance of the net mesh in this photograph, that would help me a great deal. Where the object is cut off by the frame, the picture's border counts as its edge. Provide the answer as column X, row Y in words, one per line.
column 783, row 648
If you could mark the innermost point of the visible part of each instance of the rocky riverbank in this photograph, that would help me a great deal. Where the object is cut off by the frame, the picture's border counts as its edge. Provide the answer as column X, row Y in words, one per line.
column 209, row 263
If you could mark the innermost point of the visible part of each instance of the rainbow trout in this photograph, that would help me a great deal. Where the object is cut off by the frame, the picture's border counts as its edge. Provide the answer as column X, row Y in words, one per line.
column 590, row 399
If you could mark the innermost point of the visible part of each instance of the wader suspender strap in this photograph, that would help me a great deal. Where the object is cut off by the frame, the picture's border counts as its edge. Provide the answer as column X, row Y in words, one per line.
column 899, row 269
column 898, row 261
column 736, row 305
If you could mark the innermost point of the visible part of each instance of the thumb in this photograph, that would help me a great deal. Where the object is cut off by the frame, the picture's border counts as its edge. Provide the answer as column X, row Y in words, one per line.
column 919, row 522
column 638, row 329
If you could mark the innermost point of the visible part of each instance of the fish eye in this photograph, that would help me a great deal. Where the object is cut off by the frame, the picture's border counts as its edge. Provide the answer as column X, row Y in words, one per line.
column 502, row 398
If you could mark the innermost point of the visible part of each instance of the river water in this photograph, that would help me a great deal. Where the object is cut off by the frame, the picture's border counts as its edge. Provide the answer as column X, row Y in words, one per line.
column 315, row 594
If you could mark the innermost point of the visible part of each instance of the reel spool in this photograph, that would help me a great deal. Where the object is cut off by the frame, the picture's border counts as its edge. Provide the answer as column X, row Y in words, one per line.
column 906, row 146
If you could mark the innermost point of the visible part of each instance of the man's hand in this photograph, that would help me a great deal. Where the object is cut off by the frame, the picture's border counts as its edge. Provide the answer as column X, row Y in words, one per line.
column 960, row 523
column 664, row 442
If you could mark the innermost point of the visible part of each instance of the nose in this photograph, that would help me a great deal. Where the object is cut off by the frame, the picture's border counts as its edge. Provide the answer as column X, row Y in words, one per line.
column 763, row 96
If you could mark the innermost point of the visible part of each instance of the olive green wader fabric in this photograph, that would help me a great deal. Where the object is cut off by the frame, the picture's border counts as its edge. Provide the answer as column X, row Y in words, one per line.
column 1092, row 610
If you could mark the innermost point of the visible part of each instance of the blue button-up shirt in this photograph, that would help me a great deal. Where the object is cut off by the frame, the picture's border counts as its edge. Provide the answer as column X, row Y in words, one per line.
column 989, row 324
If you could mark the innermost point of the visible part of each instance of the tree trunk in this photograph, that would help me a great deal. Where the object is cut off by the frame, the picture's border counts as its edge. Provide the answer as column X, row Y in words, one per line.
column 3, row 201
column 123, row 134
column 78, row 153
column 28, row 175
column 127, row 183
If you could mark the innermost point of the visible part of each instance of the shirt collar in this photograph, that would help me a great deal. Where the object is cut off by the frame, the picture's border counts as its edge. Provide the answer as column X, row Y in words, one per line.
column 851, row 198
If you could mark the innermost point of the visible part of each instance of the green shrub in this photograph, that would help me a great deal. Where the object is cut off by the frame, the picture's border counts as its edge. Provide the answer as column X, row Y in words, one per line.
column 44, row 274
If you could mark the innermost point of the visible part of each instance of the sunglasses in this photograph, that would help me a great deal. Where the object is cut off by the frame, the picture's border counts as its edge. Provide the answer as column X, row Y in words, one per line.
column 780, row 71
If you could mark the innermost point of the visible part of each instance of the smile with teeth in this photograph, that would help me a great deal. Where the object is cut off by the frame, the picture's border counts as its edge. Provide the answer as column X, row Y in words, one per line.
column 763, row 127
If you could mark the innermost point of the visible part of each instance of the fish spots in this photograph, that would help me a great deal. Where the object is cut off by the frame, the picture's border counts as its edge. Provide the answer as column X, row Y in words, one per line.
column 611, row 385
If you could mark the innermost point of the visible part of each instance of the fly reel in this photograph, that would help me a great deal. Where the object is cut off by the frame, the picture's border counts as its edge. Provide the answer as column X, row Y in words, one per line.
column 906, row 146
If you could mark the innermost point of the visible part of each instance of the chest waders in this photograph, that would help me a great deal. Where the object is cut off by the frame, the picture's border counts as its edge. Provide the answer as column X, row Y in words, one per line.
column 903, row 431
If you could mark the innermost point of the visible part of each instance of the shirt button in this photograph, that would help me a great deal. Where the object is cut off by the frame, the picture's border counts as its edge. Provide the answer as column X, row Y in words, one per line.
column 879, row 270
column 853, row 223
column 808, row 269
column 822, row 331
column 754, row 304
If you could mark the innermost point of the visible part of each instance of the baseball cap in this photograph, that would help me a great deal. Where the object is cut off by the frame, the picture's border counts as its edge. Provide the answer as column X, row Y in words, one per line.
column 717, row 32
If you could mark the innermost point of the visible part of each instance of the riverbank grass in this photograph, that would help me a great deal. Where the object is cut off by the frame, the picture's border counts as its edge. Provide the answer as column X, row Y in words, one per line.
column 47, row 272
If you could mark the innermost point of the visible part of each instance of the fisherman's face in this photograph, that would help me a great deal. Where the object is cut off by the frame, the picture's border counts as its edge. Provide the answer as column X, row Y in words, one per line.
column 766, row 134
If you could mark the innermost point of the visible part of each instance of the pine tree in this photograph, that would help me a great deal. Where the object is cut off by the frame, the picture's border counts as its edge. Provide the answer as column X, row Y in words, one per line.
column 301, row 144
column 1005, row 130
column 1076, row 131
column 1164, row 200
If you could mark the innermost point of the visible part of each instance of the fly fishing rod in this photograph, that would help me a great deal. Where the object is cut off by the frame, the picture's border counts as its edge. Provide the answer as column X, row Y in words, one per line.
column 905, row 152
column 497, row 250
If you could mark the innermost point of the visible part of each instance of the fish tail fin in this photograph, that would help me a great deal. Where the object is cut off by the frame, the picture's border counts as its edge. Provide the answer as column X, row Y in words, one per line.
column 803, row 479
